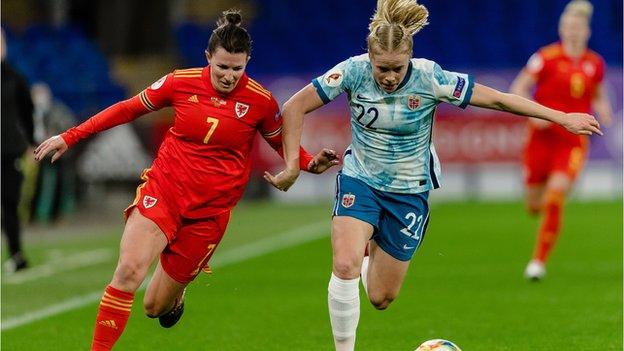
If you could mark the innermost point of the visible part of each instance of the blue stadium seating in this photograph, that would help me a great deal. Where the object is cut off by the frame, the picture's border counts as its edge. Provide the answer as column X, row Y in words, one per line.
column 69, row 63
column 308, row 37
column 311, row 36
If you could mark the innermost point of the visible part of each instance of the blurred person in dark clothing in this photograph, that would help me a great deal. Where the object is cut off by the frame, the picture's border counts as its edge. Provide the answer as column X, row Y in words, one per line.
column 17, row 137
column 55, row 191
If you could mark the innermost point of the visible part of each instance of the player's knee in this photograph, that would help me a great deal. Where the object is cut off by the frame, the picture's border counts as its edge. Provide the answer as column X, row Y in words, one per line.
column 381, row 302
column 129, row 274
column 382, row 299
column 346, row 267
column 152, row 308
column 534, row 208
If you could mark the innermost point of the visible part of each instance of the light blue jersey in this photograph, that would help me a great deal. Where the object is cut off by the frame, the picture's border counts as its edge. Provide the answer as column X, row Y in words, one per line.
column 391, row 148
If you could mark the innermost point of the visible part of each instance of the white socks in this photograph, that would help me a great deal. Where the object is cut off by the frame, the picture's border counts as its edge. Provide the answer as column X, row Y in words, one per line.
column 344, row 311
column 364, row 274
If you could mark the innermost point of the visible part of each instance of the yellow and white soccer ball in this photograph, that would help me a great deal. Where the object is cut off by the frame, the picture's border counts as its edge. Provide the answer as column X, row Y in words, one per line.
column 438, row 345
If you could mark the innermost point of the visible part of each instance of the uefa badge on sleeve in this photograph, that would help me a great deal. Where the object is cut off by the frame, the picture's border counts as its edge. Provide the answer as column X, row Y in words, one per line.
column 333, row 78
column 149, row 201
column 348, row 200
column 413, row 102
column 159, row 83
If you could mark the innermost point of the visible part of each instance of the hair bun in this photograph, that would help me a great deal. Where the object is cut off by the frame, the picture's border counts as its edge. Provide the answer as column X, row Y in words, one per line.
column 229, row 34
column 232, row 17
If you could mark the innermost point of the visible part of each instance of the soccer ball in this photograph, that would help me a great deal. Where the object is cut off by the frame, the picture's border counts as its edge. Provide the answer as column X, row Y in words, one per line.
column 438, row 345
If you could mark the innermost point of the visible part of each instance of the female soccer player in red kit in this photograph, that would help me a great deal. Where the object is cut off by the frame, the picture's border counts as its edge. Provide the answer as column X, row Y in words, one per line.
column 567, row 76
column 183, row 207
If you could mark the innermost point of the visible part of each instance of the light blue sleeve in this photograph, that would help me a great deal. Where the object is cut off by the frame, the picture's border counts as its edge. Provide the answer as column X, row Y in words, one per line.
column 452, row 87
column 335, row 81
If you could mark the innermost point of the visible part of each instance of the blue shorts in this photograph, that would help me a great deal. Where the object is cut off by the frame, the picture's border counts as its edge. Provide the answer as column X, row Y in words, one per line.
column 400, row 220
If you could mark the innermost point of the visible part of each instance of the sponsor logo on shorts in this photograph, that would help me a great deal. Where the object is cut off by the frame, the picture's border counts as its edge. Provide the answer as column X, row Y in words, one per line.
column 149, row 201
column 348, row 200
column 405, row 247
column 459, row 87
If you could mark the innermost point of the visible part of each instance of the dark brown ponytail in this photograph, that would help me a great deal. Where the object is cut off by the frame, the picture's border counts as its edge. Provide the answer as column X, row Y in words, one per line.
column 229, row 34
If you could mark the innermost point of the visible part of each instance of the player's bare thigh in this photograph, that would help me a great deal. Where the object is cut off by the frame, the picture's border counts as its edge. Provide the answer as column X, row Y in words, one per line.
column 141, row 243
column 162, row 293
column 534, row 198
column 349, row 239
column 559, row 181
column 385, row 276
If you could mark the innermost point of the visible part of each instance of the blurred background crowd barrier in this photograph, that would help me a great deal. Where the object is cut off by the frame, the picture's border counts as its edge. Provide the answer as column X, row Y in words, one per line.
column 92, row 54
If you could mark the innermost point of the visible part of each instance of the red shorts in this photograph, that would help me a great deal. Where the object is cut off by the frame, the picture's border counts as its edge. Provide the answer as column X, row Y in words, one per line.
column 546, row 153
column 191, row 241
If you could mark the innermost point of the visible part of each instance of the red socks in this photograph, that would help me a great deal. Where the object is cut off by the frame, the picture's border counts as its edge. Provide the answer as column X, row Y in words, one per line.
column 551, row 223
column 111, row 318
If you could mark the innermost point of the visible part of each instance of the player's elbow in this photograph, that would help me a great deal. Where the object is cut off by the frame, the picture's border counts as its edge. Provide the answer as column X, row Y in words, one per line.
column 291, row 108
column 515, row 89
column 487, row 97
column 501, row 101
column 518, row 88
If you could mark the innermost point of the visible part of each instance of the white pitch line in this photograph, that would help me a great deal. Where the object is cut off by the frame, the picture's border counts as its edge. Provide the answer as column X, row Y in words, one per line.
column 255, row 249
column 64, row 306
column 280, row 241
column 68, row 263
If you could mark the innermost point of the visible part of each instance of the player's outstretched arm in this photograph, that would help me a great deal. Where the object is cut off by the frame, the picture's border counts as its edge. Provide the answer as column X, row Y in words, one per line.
column 602, row 106
column 56, row 144
column 322, row 161
column 522, row 84
column 577, row 123
column 304, row 101
column 153, row 98
column 119, row 113
column 317, row 164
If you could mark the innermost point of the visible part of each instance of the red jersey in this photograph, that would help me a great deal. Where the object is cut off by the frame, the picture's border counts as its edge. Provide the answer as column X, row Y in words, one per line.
column 564, row 83
column 204, row 159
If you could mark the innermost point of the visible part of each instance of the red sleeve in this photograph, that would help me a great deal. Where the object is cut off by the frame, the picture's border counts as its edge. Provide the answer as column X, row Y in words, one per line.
column 271, row 129
column 535, row 65
column 159, row 94
column 153, row 98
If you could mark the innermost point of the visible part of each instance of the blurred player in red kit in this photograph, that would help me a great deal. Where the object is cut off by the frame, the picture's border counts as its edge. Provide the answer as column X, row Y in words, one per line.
column 181, row 211
column 567, row 76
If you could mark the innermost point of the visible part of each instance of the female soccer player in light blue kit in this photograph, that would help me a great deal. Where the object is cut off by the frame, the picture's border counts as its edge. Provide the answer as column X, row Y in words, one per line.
column 391, row 163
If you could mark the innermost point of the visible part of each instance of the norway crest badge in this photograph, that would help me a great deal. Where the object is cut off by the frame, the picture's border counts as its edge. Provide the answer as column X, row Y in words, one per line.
column 348, row 200
column 241, row 109
column 149, row 201
column 413, row 102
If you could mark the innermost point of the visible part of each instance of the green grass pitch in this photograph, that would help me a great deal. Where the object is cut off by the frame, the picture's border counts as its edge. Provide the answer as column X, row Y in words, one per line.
column 464, row 284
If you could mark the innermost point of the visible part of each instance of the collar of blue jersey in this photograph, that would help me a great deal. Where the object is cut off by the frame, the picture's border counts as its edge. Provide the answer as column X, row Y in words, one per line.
column 408, row 75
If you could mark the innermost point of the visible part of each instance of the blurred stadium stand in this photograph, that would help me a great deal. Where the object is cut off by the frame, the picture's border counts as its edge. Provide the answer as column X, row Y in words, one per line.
column 291, row 37
column 308, row 36
column 95, row 53
column 69, row 62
